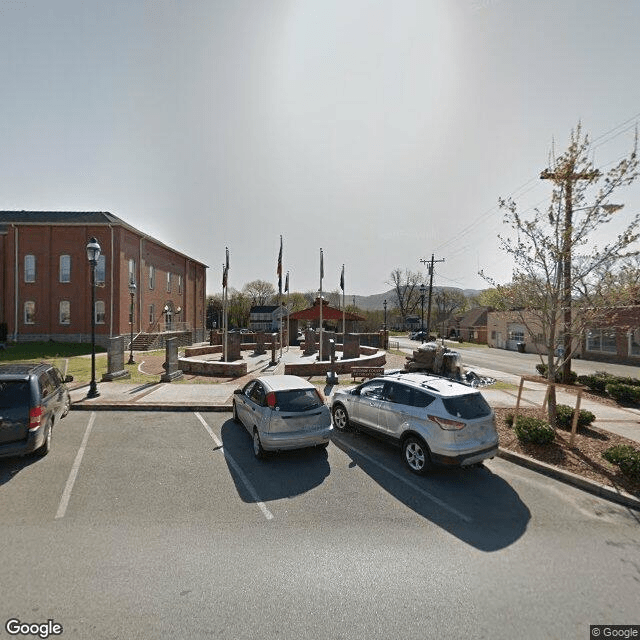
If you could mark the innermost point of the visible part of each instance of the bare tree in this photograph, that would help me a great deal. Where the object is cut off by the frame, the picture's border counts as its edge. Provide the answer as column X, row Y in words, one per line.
column 558, row 263
column 406, row 287
column 449, row 301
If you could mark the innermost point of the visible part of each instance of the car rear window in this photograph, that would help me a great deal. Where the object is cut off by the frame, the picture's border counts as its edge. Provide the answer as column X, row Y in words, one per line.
column 298, row 400
column 467, row 407
column 14, row 393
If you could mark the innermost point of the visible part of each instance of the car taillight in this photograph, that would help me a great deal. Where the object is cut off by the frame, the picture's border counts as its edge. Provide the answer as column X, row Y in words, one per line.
column 35, row 418
column 448, row 425
column 271, row 399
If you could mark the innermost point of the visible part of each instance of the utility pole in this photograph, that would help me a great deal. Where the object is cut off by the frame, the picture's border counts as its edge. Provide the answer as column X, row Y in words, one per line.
column 566, row 177
column 430, row 262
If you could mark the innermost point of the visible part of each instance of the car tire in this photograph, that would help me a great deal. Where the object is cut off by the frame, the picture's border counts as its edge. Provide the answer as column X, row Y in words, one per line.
column 415, row 454
column 67, row 407
column 258, row 451
column 340, row 418
column 46, row 445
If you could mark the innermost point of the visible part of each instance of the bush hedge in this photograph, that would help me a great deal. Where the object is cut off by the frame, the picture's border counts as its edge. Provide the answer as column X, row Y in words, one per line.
column 543, row 369
column 626, row 457
column 564, row 417
column 625, row 393
column 533, row 430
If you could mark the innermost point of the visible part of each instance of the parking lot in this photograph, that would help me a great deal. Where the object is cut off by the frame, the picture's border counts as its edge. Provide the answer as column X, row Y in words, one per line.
column 160, row 524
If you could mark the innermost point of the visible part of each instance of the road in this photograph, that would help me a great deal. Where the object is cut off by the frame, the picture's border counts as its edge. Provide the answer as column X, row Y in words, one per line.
column 519, row 364
column 163, row 525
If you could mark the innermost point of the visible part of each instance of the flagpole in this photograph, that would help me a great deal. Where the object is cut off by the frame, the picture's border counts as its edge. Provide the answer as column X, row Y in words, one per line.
column 225, row 282
column 321, row 276
column 344, row 333
column 287, row 290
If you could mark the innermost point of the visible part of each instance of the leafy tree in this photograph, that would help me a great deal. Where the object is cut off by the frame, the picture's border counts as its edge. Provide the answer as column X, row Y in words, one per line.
column 260, row 293
column 558, row 262
column 449, row 301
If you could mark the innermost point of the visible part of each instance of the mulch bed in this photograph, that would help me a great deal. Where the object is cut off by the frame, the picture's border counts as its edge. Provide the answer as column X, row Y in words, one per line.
column 584, row 458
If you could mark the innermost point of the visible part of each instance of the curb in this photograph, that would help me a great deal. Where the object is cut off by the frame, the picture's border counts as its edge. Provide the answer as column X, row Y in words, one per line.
column 567, row 477
column 127, row 406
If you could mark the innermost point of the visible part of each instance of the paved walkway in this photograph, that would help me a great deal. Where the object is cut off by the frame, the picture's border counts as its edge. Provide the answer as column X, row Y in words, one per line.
column 174, row 396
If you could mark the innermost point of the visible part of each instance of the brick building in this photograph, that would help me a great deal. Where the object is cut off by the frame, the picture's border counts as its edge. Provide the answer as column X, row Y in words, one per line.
column 45, row 284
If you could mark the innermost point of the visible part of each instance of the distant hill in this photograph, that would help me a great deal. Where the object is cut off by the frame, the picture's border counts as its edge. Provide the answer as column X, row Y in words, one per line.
column 376, row 301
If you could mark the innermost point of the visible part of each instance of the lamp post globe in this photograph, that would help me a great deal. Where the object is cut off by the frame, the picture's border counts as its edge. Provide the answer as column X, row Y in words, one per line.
column 93, row 254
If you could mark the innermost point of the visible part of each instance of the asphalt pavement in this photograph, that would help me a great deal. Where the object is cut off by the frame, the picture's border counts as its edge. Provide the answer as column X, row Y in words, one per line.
column 176, row 396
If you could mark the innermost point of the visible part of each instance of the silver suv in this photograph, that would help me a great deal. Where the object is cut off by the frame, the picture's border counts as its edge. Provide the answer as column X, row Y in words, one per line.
column 432, row 419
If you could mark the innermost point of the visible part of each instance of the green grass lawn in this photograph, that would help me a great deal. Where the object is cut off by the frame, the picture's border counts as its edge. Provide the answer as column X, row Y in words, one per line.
column 72, row 359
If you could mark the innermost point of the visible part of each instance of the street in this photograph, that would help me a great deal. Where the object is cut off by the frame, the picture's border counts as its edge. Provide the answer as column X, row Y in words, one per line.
column 514, row 363
column 163, row 525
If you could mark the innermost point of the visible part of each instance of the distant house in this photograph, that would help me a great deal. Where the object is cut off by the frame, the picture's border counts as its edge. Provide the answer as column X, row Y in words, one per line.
column 470, row 326
column 266, row 317
column 45, row 286
column 331, row 317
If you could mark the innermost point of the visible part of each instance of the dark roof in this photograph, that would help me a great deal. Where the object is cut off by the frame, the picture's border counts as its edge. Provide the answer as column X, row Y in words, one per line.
column 475, row 317
column 60, row 217
column 80, row 218
column 264, row 309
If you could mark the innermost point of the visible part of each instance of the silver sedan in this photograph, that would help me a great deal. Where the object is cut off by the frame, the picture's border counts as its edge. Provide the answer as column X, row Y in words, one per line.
column 282, row 412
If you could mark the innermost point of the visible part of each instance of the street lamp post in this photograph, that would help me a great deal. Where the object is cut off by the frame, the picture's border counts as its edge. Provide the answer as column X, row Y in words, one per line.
column 93, row 253
column 384, row 304
column 422, row 290
column 132, row 291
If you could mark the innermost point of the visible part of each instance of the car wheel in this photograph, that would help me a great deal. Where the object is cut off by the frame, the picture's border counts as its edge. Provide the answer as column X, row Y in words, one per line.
column 46, row 445
column 258, row 451
column 67, row 407
column 340, row 418
column 415, row 454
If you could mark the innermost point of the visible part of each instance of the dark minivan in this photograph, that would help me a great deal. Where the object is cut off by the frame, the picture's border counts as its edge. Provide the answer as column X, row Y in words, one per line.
column 33, row 397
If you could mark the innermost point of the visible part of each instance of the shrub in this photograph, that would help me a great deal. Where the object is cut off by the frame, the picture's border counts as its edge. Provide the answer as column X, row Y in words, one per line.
column 596, row 382
column 626, row 457
column 564, row 417
column 533, row 430
column 624, row 393
column 509, row 419
column 543, row 369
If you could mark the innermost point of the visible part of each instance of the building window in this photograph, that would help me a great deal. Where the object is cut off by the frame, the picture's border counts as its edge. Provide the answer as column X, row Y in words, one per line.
column 168, row 282
column 602, row 340
column 101, row 270
column 65, row 312
column 100, row 312
column 179, row 284
column 152, row 277
column 516, row 335
column 30, row 268
column 634, row 342
column 29, row 312
column 65, row 268
column 152, row 313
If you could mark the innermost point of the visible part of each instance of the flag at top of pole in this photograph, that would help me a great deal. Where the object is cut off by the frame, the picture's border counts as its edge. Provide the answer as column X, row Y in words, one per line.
column 279, row 269
column 321, row 268
column 225, row 269
column 286, row 283
column 342, row 279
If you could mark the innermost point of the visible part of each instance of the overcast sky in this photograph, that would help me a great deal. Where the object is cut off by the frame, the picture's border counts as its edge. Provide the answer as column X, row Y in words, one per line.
column 381, row 131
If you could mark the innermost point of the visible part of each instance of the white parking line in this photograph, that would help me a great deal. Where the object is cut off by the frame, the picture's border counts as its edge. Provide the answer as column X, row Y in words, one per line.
column 265, row 512
column 420, row 490
column 66, row 494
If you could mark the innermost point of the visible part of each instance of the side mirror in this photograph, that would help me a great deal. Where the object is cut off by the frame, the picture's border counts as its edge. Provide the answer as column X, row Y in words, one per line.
column 237, row 391
column 68, row 379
